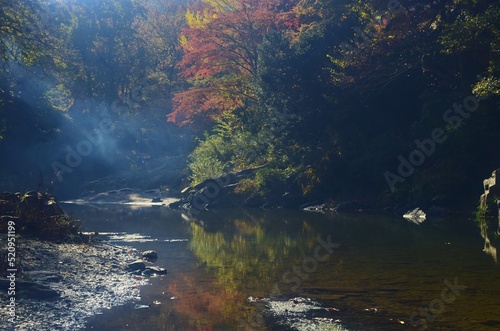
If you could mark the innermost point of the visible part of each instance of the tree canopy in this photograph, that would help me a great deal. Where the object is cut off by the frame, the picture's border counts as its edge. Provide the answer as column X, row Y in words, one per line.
column 329, row 95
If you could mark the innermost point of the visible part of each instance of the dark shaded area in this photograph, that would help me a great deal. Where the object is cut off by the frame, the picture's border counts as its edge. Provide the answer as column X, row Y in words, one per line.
column 83, row 97
column 37, row 215
column 403, row 118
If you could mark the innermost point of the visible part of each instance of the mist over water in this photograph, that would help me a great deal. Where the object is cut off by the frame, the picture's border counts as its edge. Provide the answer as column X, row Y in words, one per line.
column 83, row 97
column 92, row 140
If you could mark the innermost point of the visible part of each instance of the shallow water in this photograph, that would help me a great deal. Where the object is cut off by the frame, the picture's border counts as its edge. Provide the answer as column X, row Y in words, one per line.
column 374, row 272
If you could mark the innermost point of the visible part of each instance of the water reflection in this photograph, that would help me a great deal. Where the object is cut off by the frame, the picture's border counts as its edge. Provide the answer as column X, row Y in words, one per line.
column 246, row 256
column 384, row 270
column 250, row 249
column 205, row 305
column 488, row 246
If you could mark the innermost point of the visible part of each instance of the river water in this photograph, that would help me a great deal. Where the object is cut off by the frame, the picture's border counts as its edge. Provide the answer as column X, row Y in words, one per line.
column 372, row 272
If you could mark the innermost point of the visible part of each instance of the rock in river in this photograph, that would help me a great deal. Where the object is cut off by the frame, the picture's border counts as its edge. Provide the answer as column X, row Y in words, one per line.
column 416, row 215
column 150, row 255
column 136, row 265
column 157, row 270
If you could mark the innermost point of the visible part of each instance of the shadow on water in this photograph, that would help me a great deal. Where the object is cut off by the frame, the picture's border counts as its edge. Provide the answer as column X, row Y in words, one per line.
column 381, row 273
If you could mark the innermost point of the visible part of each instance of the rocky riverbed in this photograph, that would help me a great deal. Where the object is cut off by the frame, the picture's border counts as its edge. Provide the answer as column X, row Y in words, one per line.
column 58, row 286
column 301, row 314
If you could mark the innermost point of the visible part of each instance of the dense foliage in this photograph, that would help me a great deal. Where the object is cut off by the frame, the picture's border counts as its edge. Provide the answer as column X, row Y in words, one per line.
column 341, row 94
column 375, row 100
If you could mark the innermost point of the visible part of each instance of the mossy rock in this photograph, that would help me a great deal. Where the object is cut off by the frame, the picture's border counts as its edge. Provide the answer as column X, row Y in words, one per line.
column 36, row 214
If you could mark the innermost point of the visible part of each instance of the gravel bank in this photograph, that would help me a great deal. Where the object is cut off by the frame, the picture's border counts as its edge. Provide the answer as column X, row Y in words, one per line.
column 88, row 279
column 300, row 314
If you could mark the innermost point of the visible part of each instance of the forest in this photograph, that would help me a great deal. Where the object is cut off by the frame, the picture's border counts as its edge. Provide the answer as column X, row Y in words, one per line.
column 391, row 103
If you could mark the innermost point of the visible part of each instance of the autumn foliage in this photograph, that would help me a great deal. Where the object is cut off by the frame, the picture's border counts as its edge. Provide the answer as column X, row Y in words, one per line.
column 220, row 58
column 204, row 307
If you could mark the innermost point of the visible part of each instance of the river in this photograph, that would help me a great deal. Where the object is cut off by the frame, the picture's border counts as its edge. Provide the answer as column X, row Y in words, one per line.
column 371, row 271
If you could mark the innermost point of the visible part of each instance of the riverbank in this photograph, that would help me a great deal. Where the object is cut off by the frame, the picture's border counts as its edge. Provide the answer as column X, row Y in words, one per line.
column 58, row 286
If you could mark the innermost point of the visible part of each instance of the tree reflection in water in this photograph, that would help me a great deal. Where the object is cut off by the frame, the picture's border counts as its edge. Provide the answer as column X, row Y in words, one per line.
column 246, row 256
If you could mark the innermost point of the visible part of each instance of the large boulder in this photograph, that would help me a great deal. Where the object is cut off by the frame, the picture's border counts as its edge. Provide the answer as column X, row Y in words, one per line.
column 214, row 192
column 36, row 214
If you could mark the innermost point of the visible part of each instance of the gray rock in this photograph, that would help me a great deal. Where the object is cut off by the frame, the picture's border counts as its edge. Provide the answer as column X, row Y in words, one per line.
column 416, row 215
column 150, row 255
column 142, row 306
column 136, row 265
column 315, row 208
column 147, row 272
column 157, row 270
column 214, row 192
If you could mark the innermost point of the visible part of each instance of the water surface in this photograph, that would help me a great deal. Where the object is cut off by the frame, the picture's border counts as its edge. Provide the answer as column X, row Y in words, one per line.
column 378, row 273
